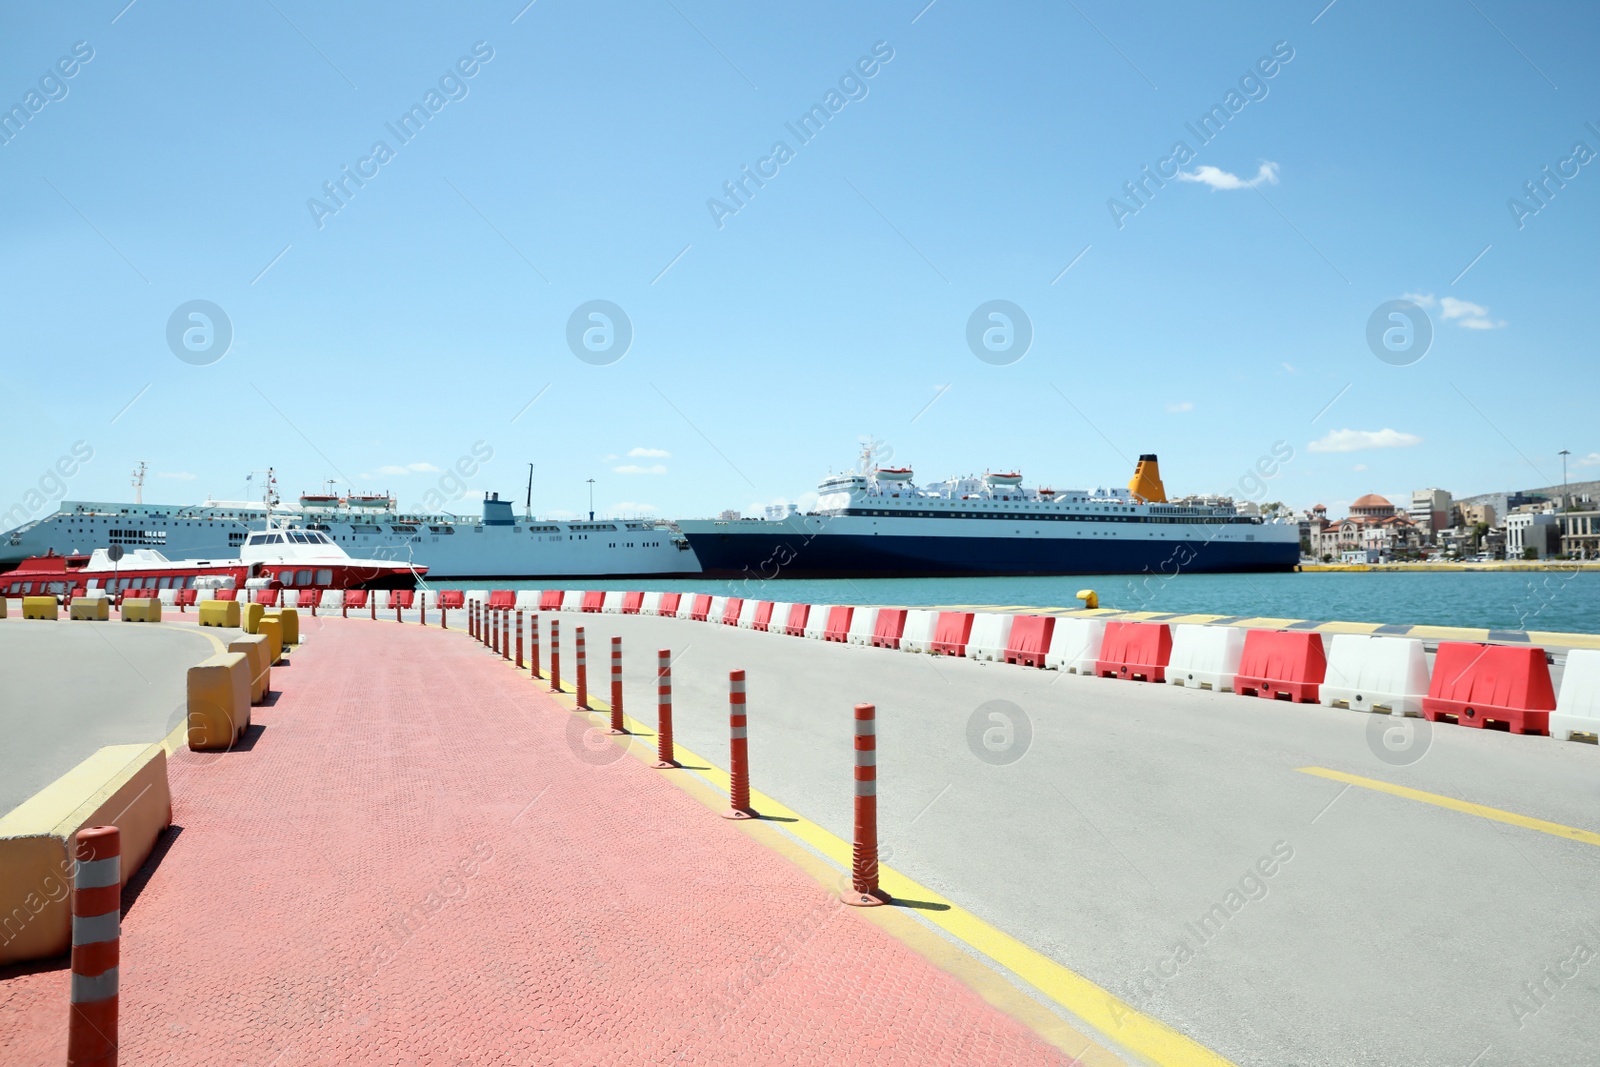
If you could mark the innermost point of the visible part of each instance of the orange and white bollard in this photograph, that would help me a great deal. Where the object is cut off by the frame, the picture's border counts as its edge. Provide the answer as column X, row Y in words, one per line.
column 372, row 603
column 738, row 752
column 616, row 686
column 344, row 606
column 583, row 674
column 494, row 629
column 666, row 758
column 505, row 634
column 533, row 646
column 864, row 891
column 444, row 615
column 555, row 655
column 96, row 947
column 519, row 639
column 422, row 606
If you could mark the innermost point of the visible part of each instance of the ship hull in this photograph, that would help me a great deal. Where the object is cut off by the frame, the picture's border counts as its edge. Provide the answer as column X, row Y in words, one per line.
column 779, row 554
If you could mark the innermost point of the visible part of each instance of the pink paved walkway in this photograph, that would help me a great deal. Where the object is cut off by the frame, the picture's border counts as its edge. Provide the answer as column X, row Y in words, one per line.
column 369, row 884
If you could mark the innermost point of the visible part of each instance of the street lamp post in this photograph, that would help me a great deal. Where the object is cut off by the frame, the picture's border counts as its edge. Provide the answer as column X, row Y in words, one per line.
column 1566, row 503
column 591, row 499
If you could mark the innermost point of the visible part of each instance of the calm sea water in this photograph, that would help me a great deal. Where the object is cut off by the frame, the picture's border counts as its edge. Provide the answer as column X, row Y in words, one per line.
column 1560, row 601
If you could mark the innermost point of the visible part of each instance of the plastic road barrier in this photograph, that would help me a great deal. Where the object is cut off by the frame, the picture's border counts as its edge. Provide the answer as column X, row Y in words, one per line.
column 795, row 621
column 1029, row 644
column 593, row 601
column 701, row 607
column 715, row 611
column 1205, row 657
column 632, row 603
column 888, row 628
column 747, row 614
column 1282, row 665
column 650, row 604
column 1076, row 645
column 731, row 610
column 1369, row 673
column 951, row 633
column 503, row 598
column 611, row 602
column 1137, row 651
column 763, row 616
column 550, row 600
column 863, row 623
column 1578, row 706
column 572, row 600
column 838, row 627
column 991, row 632
column 917, row 633
column 817, row 621
column 1475, row 684
column 668, row 608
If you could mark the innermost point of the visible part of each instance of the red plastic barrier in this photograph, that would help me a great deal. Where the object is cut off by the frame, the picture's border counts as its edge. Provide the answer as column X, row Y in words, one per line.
column 951, row 632
column 730, row 614
column 838, row 626
column 402, row 598
column 185, row 598
column 669, row 604
column 1135, row 650
column 1476, row 684
column 1030, row 639
column 268, row 597
column 226, row 594
column 452, row 598
column 632, row 602
column 594, row 600
column 1282, row 665
column 763, row 617
column 701, row 608
column 891, row 624
column 795, row 626
column 502, row 598
column 550, row 600
column 355, row 598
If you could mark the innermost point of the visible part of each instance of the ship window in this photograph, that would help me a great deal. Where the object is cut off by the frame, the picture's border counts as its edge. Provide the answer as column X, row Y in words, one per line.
column 325, row 576
column 302, row 577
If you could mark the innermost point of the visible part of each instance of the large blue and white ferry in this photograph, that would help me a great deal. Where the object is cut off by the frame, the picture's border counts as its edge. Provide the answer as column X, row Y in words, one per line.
column 875, row 522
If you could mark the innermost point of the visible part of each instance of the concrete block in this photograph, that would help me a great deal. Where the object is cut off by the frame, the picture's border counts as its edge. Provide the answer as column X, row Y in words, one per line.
column 91, row 609
column 40, row 607
column 250, row 616
column 218, row 612
column 219, row 701
column 271, row 627
column 141, row 609
column 257, row 651
column 290, row 617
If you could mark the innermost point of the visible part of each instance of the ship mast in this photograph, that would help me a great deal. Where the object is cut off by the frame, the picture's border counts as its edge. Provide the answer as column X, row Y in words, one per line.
column 527, row 505
column 138, row 483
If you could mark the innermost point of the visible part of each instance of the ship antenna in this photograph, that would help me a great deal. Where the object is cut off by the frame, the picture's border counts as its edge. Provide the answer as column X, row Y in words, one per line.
column 138, row 483
column 527, row 505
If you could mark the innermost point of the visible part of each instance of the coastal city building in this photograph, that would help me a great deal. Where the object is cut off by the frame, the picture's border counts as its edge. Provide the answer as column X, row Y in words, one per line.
column 1375, row 531
column 1580, row 534
column 1430, row 511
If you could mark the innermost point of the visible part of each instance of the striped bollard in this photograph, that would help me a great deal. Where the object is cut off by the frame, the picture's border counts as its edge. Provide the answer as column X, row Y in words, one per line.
column 395, row 601
column 444, row 615
column 533, row 646
column 666, row 758
column 494, row 629
column 738, row 752
column 864, row 891
column 555, row 655
column 344, row 606
column 582, row 703
column 372, row 603
column 96, row 947
column 616, row 686
column 422, row 606
column 519, row 639
column 505, row 635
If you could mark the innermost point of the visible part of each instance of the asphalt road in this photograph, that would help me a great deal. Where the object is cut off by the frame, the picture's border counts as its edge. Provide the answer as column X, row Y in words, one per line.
column 69, row 688
column 1104, row 827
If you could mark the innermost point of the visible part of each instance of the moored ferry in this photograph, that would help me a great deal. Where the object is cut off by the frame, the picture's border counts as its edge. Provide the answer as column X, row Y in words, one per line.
column 875, row 522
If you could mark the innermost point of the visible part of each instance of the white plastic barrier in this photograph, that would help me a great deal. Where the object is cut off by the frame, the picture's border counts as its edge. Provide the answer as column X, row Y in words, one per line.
column 528, row 599
column 1205, row 657
column 719, row 606
column 332, row 600
column 779, row 619
column 863, row 621
column 1075, row 645
column 479, row 597
column 204, row 594
column 168, row 597
column 572, row 600
column 651, row 604
column 612, row 604
column 1367, row 672
column 1578, row 706
column 747, row 614
column 918, row 632
column 817, row 621
column 990, row 634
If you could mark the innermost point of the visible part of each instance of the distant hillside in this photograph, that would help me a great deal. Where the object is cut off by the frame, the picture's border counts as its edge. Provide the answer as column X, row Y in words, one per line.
column 1549, row 492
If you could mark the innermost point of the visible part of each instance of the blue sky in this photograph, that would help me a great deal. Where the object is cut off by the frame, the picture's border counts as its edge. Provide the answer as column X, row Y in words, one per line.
column 380, row 343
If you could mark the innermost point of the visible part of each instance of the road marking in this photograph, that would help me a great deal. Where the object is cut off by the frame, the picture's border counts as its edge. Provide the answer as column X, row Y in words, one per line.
column 1102, row 1010
column 1554, row 829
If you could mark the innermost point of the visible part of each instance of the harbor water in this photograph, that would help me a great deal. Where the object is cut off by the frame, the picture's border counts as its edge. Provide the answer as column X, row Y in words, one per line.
column 1561, row 601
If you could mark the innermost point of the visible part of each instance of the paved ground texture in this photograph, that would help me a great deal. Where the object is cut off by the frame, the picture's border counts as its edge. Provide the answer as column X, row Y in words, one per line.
column 414, row 860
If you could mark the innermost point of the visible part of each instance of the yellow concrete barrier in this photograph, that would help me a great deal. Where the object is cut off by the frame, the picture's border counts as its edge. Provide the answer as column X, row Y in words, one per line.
column 39, row 607
column 219, row 701
column 271, row 627
column 124, row 783
column 291, row 625
column 250, row 615
column 254, row 647
column 141, row 609
column 219, row 613
column 91, row 609
column 2, row 607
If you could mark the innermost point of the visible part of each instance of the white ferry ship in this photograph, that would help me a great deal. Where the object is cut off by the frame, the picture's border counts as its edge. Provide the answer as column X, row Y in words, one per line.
column 877, row 523
column 499, row 544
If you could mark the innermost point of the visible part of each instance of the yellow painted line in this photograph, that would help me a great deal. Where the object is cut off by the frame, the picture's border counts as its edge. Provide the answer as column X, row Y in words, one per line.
column 1555, row 829
column 1157, row 1042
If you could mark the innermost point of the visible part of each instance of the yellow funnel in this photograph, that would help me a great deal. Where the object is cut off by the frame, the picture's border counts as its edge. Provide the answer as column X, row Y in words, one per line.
column 1146, row 483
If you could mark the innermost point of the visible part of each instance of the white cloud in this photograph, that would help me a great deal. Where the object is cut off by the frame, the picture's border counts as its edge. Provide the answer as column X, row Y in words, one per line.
column 423, row 468
column 1182, row 405
column 1359, row 467
column 1359, row 440
column 177, row 476
column 1422, row 300
column 396, row 470
column 634, row 468
column 649, row 453
column 1221, row 179
column 611, row 457
column 1472, row 316
column 393, row 469
column 631, row 507
column 1591, row 460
